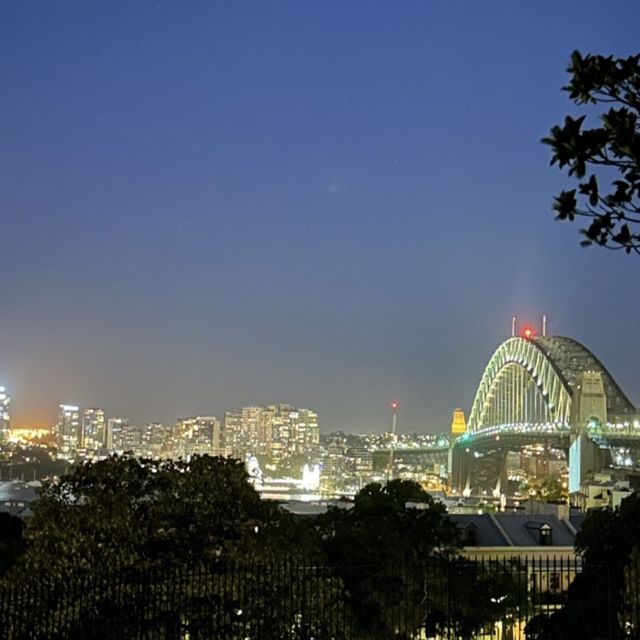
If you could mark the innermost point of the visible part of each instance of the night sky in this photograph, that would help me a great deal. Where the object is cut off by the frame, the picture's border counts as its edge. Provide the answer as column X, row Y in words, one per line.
column 206, row 205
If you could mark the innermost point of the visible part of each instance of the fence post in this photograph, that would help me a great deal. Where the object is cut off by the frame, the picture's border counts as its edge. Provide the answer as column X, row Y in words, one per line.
column 448, row 588
column 609, row 628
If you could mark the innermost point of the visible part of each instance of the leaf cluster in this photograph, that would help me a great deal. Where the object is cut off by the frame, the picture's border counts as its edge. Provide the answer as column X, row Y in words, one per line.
column 604, row 159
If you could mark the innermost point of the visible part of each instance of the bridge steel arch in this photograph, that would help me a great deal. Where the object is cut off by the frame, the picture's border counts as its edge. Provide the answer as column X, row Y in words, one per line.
column 553, row 364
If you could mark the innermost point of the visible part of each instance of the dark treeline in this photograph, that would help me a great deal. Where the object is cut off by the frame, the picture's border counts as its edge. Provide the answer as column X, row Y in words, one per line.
column 385, row 565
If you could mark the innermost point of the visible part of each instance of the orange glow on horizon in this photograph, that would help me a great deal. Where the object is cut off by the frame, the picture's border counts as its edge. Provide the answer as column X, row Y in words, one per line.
column 31, row 420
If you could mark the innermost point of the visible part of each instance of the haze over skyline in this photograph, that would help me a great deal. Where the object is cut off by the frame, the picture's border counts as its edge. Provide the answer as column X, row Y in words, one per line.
column 325, row 204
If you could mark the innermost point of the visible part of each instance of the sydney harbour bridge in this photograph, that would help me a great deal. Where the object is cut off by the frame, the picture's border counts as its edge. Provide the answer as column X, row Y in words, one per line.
column 548, row 390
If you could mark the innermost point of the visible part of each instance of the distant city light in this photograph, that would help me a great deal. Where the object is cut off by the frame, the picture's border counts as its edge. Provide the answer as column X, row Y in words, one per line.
column 311, row 477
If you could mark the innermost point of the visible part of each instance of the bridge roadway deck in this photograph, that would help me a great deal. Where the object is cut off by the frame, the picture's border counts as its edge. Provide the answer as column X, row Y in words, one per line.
column 506, row 436
column 515, row 437
column 440, row 449
column 519, row 436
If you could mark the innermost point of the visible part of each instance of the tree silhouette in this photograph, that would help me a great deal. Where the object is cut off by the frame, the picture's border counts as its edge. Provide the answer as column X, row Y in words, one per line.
column 381, row 549
column 602, row 598
column 11, row 541
column 609, row 153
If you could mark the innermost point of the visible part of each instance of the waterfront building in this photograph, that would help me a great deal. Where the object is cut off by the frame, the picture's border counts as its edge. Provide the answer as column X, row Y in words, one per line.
column 305, row 435
column 360, row 461
column 276, row 431
column 335, row 461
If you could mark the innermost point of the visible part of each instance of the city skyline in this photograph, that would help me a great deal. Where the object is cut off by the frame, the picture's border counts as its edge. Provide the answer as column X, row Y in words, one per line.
column 335, row 206
column 518, row 329
column 94, row 415
column 277, row 434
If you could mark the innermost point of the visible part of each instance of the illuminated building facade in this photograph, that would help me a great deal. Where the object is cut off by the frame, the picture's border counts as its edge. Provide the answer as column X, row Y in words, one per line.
column 234, row 439
column 155, row 440
column 335, row 460
column 126, row 437
column 305, row 434
column 93, row 429
column 458, row 423
column 277, row 431
column 68, row 429
column 5, row 414
column 200, row 434
column 360, row 460
column 281, row 430
column 251, row 418
column 113, row 438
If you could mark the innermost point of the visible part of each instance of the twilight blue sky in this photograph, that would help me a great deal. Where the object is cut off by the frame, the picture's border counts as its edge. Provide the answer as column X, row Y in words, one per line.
column 212, row 204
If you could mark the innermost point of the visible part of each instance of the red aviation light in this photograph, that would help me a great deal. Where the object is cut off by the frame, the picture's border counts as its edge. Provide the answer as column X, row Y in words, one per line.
column 527, row 332
column 394, row 405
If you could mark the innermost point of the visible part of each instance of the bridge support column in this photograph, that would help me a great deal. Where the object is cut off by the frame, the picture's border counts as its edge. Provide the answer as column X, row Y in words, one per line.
column 475, row 473
column 458, row 468
column 585, row 459
column 488, row 473
column 589, row 409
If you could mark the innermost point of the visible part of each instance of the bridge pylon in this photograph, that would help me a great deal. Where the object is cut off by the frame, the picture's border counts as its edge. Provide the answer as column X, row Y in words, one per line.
column 588, row 414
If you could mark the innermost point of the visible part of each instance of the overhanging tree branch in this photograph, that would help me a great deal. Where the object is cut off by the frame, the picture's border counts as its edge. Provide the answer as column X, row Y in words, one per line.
column 613, row 209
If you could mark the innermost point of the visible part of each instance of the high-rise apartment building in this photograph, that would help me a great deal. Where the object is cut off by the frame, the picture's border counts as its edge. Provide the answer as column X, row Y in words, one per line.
column 234, row 438
column 200, row 434
column 305, row 435
column 251, row 417
column 115, row 434
column 68, row 429
column 155, row 439
column 128, row 437
column 264, row 435
column 249, row 431
column 281, row 431
column 277, row 431
column 5, row 414
column 93, row 429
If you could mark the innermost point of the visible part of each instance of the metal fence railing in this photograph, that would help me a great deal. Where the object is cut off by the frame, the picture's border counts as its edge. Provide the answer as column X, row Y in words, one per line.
column 307, row 599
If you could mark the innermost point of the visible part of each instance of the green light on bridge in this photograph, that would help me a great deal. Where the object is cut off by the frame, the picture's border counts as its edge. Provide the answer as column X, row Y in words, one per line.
column 593, row 424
